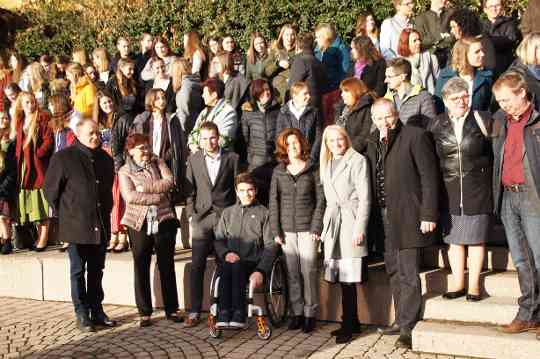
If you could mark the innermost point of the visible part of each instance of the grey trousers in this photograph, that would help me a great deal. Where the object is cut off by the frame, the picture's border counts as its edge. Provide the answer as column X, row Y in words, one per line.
column 302, row 273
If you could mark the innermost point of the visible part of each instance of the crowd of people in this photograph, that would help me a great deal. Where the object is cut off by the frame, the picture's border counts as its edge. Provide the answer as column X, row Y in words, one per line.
column 420, row 130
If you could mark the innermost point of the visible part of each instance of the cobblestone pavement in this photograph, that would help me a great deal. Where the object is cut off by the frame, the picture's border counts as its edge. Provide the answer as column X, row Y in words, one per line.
column 36, row 329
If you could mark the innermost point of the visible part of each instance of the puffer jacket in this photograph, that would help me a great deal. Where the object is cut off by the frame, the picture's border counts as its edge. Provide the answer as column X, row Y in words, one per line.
column 84, row 97
column 417, row 107
column 309, row 124
column 466, row 167
column 259, row 131
column 297, row 203
column 357, row 121
column 156, row 181
column 505, row 36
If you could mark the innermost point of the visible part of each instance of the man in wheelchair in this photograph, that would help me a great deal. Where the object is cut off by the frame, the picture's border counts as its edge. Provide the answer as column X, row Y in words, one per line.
column 244, row 249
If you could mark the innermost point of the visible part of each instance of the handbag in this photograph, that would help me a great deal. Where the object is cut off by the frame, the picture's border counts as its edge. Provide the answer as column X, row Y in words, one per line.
column 25, row 236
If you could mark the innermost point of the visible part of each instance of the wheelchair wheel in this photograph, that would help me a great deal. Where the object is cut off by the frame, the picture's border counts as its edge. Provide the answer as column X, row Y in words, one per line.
column 264, row 331
column 277, row 294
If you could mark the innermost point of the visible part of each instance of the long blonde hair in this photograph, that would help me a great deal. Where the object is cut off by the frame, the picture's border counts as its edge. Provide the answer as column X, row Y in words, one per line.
column 326, row 154
column 460, row 61
column 100, row 59
column 19, row 119
column 179, row 68
column 37, row 76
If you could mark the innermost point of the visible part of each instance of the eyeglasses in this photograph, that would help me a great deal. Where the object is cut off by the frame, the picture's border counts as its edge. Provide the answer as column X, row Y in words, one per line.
column 459, row 99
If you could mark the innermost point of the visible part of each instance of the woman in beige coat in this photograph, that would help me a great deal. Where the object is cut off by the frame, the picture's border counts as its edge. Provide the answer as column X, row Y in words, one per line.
column 345, row 178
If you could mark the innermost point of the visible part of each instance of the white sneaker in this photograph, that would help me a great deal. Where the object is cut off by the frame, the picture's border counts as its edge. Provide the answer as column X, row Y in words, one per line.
column 237, row 325
column 222, row 325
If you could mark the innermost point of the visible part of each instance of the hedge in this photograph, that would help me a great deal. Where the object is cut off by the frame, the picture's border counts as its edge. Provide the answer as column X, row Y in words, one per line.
column 59, row 26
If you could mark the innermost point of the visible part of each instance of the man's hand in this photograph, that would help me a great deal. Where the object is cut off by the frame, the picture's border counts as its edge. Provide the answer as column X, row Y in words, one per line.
column 232, row 257
column 426, row 227
column 279, row 240
column 358, row 240
column 256, row 278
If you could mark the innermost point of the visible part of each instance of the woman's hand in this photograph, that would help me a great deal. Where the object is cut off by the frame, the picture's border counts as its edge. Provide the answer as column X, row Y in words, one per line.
column 283, row 64
column 279, row 240
column 139, row 188
column 358, row 240
column 232, row 257
column 315, row 237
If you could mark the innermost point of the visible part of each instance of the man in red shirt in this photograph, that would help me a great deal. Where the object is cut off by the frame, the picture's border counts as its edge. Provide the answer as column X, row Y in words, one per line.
column 516, row 185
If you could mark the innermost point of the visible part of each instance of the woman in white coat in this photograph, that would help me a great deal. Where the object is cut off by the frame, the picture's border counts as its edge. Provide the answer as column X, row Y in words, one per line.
column 345, row 178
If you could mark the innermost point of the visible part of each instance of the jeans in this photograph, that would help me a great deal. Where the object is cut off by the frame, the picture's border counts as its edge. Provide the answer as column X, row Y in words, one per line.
column 521, row 220
column 87, row 293
column 141, row 248
column 232, row 285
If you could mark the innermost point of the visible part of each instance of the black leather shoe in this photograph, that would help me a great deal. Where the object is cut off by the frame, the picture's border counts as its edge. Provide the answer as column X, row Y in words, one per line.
column 84, row 324
column 404, row 341
column 146, row 322
column 473, row 297
column 7, row 247
column 393, row 329
column 454, row 295
column 175, row 318
column 309, row 325
column 296, row 322
column 104, row 321
column 344, row 337
column 356, row 329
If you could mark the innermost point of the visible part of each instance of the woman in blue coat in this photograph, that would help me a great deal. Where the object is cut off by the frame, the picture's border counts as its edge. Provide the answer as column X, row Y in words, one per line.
column 467, row 63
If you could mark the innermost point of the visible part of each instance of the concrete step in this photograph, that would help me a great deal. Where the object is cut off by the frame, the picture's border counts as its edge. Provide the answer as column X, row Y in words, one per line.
column 491, row 310
column 494, row 283
column 497, row 258
column 473, row 341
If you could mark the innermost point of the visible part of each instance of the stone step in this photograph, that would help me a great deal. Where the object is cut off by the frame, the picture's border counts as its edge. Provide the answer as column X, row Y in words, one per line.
column 491, row 310
column 494, row 283
column 497, row 258
column 477, row 341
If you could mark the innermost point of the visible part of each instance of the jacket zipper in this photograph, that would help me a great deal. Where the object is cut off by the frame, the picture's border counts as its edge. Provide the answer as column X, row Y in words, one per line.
column 460, row 180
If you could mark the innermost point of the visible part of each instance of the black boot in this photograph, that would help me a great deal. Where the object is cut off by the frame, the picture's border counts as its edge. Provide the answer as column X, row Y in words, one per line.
column 309, row 325
column 350, row 323
column 296, row 322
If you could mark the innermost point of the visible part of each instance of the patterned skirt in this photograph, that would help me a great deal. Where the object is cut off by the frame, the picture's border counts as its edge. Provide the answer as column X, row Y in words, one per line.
column 466, row 230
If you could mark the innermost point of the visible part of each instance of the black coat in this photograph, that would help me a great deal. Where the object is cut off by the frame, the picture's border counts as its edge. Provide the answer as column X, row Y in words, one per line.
column 8, row 176
column 259, row 131
column 202, row 196
column 373, row 76
column 307, row 68
column 124, row 104
column 505, row 36
column 297, row 203
column 309, row 124
column 411, row 184
column 467, row 168
column 78, row 185
column 120, row 130
column 357, row 122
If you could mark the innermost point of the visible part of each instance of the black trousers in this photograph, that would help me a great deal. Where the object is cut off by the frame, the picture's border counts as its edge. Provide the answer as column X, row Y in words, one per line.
column 86, row 264
column 349, row 303
column 202, row 246
column 232, row 285
column 141, row 247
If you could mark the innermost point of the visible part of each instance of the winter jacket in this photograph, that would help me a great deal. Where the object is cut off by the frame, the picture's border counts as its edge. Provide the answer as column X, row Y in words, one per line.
column 296, row 202
column 278, row 75
column 84, row 97
column 416, row 108
column 245, row 230
column 357, row 121
column 481, row 97
column 225, row 118
column 309, row 124
column 505, row 37
column 259, row 131
column 131, row 104
column 374, row 75
column 78, row 186
column 189, row 101
column 122, row 124
column 337, row 62
column 256, row 71
column 306, row 67
column 156, row 181
column 235, row 90
column 425, row 70
column 467, row 166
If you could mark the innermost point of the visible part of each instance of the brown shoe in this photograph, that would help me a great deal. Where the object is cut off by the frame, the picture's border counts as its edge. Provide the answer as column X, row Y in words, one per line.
column 519, row 326
column 192, row 320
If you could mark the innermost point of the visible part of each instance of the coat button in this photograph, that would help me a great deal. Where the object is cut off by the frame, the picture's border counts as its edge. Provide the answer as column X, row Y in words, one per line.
column 96, row 229
column 97, row 181
column 99, row 204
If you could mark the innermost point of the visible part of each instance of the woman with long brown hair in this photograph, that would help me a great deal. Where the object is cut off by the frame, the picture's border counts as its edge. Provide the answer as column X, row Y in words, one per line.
column 257, row 56
column 369, row 65
column 280, row 60
column 193, row 52
column 124, row 89
column 367, row 26
column 16, row 64
column 160, row 50
column 33, row 147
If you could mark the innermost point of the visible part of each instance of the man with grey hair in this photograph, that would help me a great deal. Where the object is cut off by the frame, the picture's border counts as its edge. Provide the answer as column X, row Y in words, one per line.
column 78, row 185
column 414, row 104
column 405, row 177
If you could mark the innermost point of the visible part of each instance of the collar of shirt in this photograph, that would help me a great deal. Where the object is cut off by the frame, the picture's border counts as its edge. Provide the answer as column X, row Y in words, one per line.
column 216, row 157
column 523, row 117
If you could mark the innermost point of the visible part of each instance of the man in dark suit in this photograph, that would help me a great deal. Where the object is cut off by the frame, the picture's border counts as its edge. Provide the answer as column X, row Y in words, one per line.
column 405, row 178
column 78, row 184
column 210, row 188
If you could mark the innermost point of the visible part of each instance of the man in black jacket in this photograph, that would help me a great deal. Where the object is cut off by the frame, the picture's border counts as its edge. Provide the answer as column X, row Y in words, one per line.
column 405, row 177
column 78, row 184
column 210, row 188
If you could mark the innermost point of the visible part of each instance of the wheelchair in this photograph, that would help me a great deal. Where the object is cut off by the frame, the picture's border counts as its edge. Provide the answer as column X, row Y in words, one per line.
column 275, row 291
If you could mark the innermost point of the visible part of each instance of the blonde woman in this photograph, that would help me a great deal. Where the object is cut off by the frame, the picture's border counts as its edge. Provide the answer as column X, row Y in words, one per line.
column 83, row 91
column 280, row 60
column 193, row 52
column 344, row 176
column 101, row 62
column 34, row 145
column 79, row 56
column 34, row 79
column 528, row 63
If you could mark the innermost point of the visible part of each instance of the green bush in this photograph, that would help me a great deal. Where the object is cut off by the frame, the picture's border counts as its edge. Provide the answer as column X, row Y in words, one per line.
column 59, row 26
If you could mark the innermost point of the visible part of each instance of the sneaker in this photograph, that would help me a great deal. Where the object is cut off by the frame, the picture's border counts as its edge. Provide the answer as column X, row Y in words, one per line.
column 238, row 319
column 223, row 318
column 192, row 320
